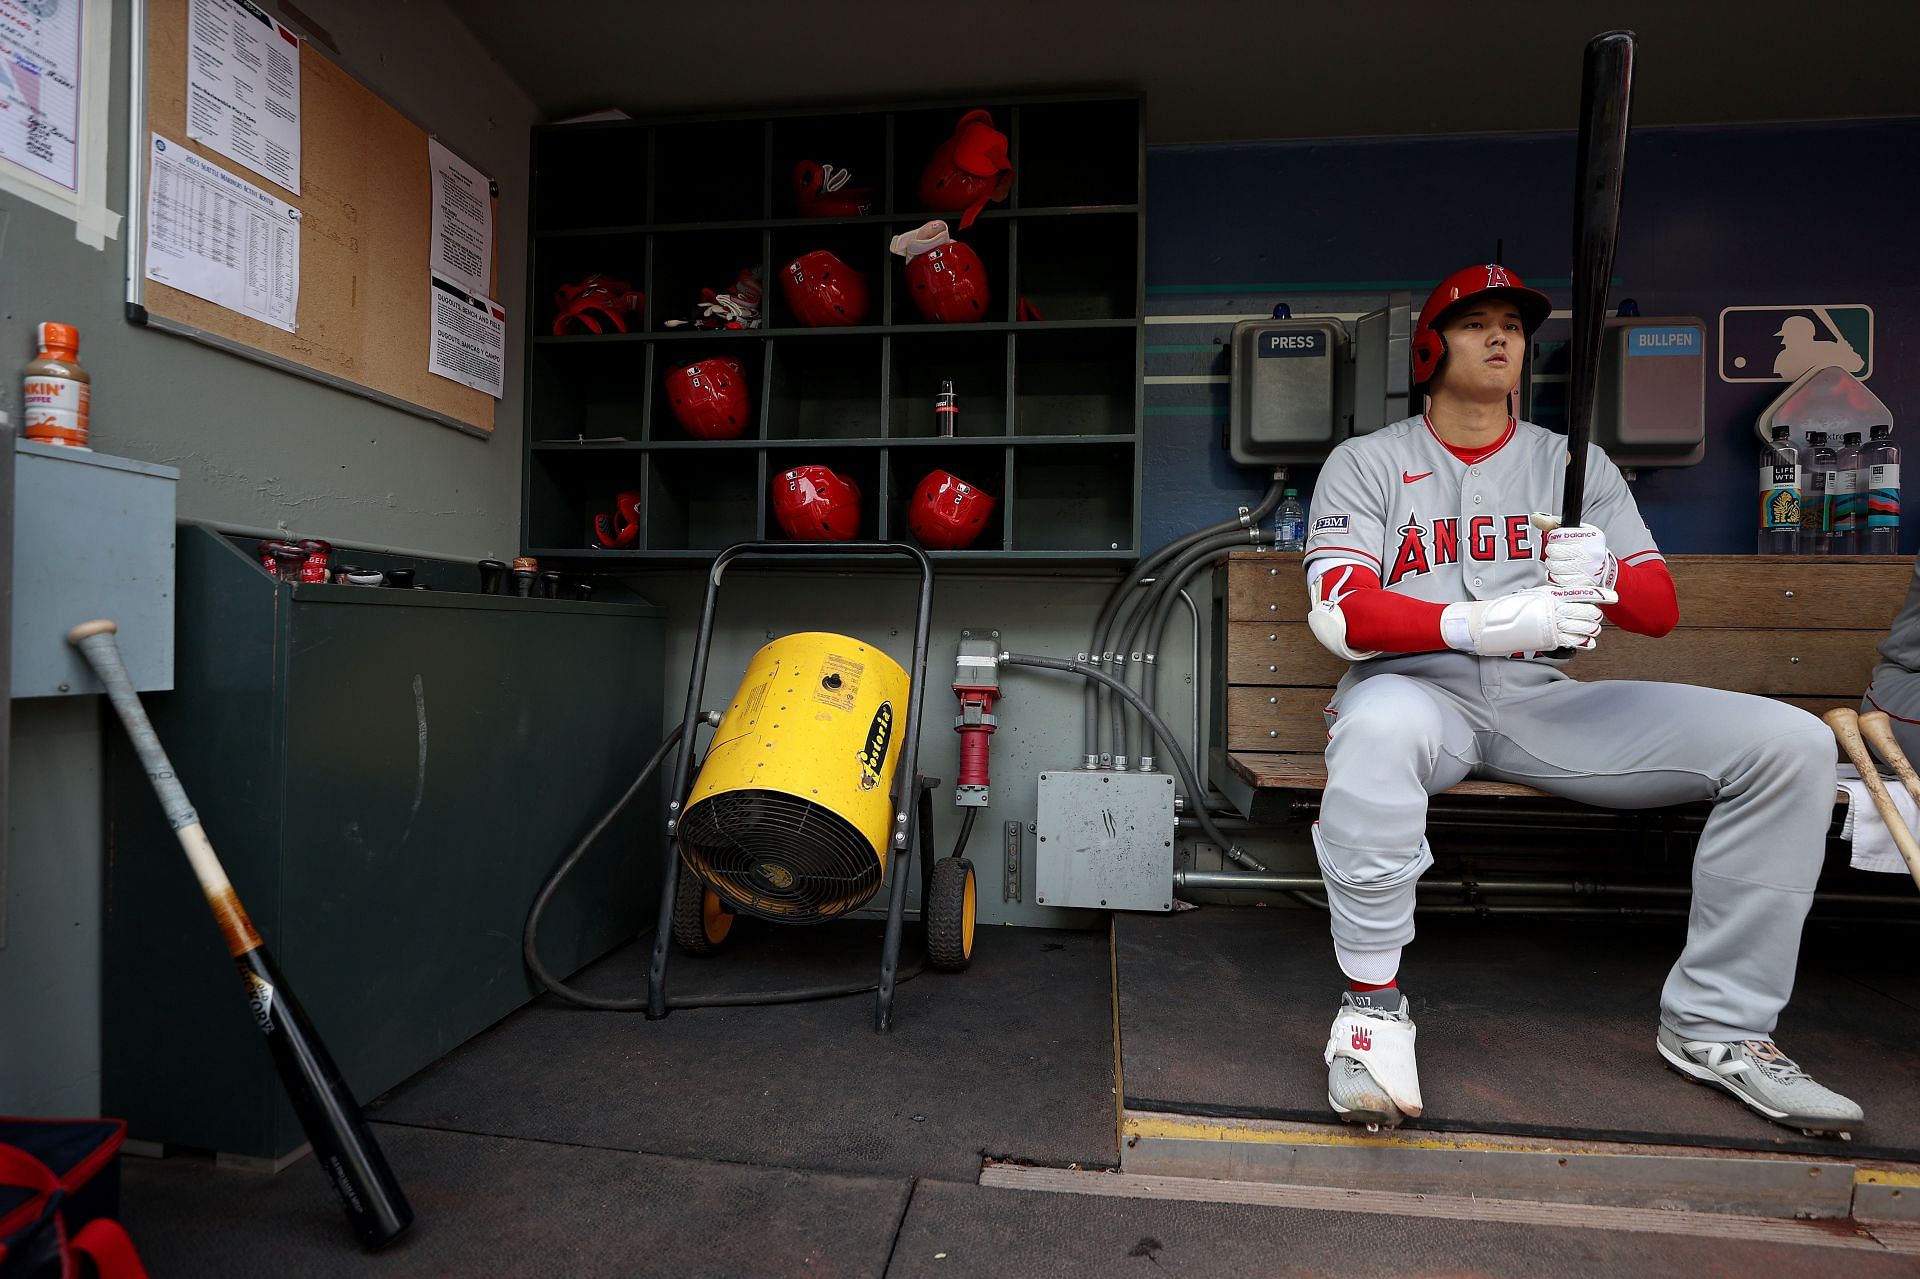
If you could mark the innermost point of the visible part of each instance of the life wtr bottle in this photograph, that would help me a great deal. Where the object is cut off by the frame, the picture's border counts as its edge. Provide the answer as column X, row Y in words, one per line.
column 1880, row 489
column 1816, row 504
column 1780, row 495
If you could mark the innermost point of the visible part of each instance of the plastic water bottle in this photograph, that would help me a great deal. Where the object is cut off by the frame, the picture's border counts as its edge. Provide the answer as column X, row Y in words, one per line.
column 1290, row 524
column 1780, row 495
column 1843, row 491
column 1880, row 492
column 1816, row 507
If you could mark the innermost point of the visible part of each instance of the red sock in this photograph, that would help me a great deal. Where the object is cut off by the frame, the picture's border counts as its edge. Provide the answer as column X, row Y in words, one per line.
column 1362, row 987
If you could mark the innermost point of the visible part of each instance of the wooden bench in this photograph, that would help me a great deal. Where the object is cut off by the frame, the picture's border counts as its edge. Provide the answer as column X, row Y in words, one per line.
column 1800, row 629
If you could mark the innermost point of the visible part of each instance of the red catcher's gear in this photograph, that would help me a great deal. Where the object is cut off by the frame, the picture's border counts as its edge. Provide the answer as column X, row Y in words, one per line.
column 620, row 530
column 597, row 304
column 816, row 504
column 820, row 191
column 947, row 513
column 949, row 284
column 1463, row 286
column 824, row 292
column 969, row 169
column 709, row 398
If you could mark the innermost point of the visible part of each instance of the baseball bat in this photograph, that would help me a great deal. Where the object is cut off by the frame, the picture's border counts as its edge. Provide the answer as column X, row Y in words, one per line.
column 326, row 1108
column 1877, row 728
column 1845, row 723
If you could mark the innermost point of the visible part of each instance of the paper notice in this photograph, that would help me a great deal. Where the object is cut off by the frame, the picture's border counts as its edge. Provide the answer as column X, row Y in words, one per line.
column 469, row 339
column 40, row 89
column 462, row 221
column 220, row 237
column 243, row 87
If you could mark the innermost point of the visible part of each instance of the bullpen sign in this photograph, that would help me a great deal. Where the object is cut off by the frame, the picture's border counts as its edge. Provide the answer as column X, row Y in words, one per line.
column 1779, row 343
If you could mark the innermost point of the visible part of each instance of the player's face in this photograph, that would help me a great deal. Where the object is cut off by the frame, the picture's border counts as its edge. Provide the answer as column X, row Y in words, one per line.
column 1486, row 345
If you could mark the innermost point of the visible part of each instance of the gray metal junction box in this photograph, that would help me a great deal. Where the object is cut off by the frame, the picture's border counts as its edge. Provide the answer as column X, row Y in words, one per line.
column 1292, row 395
column 1105, row 840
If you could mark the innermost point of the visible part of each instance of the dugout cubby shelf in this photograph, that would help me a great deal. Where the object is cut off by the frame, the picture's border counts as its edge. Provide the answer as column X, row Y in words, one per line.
column 1050, row 407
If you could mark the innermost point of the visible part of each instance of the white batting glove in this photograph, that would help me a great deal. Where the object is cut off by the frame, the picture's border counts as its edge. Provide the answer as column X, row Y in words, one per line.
column 1576, row 556
column 1536, row 620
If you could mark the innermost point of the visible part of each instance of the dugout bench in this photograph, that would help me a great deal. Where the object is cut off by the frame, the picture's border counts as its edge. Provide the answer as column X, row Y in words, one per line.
column 1803, row 629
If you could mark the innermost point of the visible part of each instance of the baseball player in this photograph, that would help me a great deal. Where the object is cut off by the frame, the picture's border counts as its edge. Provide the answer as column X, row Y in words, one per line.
column 1435, row 570
column 1896, row 680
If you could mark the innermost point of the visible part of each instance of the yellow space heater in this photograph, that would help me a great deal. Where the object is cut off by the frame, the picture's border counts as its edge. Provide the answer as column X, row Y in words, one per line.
column 792, row 815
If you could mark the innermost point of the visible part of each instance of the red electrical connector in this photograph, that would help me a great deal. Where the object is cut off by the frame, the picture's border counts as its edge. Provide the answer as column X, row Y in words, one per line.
column 976, row 683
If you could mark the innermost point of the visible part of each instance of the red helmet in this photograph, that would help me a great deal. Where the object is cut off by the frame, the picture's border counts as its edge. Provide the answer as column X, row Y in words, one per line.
column 949, row 284
column 597, row 304
column 815, row 504
column 709, row 398
column 821, row 191
column 620, row 530
column 1429, row 347
column 947, row 513
column 969, row 169
column 824, row 292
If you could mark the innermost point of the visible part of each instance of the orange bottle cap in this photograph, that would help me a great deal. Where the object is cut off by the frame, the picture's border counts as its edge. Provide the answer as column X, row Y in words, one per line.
column 59, row 337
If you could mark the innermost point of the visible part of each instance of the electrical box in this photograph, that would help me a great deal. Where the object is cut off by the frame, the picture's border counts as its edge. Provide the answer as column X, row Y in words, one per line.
column 92, row 537
column 1105, row 840
column 1292, row 395
column 1652, row 403
column 1383, row 365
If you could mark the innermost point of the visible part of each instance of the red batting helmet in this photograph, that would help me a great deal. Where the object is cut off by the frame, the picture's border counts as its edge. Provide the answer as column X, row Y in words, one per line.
column 620, row 530
column 709, row 398
column 969, row 169
column 947, row 513
column 815, row 504
column 949, row 284
column 597, row 304
column 823, row 292
column 1429, row 347
column 821, row 191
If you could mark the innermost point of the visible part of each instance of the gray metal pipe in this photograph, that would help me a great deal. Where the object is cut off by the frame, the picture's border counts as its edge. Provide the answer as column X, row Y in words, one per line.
column 1272, row 881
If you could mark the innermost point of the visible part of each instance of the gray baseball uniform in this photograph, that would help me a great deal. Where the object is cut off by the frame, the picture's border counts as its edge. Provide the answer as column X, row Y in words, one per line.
column 1896, row 680
column 1406, row 726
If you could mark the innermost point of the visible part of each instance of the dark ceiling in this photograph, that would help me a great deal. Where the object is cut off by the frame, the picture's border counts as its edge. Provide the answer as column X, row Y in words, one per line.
column 1219, row 70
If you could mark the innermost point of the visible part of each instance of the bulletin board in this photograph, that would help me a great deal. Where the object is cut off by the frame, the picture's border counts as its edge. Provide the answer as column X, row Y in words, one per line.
column 364, row 318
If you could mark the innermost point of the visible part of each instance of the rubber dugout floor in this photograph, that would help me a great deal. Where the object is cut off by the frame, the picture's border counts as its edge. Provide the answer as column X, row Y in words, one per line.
column 1535, row 1027
column 1013, row 1057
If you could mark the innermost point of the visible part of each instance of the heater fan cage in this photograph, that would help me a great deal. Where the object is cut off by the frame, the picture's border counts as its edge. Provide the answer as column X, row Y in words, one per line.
column 778, row 856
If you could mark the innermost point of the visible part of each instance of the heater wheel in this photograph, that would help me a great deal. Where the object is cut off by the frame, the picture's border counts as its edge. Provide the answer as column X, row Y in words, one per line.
column 950, row 914
column 702, row 923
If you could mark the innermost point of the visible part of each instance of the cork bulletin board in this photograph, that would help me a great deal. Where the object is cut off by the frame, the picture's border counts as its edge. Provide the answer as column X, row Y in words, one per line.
column 364, row 321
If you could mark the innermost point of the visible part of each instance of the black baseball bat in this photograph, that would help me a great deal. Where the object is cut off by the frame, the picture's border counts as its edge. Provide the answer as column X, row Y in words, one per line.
column 326, row 1108
column 1606, row 88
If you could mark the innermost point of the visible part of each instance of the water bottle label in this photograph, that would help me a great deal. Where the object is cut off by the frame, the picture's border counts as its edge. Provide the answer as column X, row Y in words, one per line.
column 1883, row 496
column 1780, row 508
column 1840, row 499
column 1293, row 531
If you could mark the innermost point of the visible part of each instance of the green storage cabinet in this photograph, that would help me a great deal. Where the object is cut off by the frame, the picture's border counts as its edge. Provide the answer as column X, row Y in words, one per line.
column 388, row 777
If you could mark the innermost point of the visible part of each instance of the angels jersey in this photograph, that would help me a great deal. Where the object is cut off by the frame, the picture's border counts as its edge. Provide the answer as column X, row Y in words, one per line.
column 1436, row 528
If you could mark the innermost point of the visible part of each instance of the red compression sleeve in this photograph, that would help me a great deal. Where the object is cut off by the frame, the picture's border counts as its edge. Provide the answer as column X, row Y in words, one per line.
column 1380, row 621
column 1648, row 605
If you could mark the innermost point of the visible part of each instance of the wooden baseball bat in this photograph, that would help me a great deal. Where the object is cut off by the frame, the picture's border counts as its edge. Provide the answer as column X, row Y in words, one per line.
column 1845, row 723
column 1877, row 728
column 325, row 1105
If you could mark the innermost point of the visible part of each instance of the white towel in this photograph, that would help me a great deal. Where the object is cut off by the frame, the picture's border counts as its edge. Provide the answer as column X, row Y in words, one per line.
column 1872, row 842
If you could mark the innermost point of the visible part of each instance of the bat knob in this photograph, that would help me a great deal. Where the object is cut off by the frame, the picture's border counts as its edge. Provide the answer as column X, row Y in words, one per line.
column 100, row 626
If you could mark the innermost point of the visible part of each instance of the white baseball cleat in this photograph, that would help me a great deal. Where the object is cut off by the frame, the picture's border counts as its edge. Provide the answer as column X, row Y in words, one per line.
column 1371, row 1075
column 1766, row 1079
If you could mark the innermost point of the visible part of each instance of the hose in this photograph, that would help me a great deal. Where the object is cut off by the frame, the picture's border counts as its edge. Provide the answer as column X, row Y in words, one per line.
column 1095, row 700
column 529, row 939
column 1159, row 727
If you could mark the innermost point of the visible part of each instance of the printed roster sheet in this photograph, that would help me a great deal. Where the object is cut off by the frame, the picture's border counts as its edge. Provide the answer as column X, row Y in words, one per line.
column 220, row 237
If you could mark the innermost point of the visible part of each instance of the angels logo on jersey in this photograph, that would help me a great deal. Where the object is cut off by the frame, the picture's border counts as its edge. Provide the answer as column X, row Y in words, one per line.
column 1424, row 547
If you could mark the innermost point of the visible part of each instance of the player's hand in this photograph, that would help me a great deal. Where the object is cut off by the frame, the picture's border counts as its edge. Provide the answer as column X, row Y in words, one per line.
column 1536, row 620
column 1576, row 556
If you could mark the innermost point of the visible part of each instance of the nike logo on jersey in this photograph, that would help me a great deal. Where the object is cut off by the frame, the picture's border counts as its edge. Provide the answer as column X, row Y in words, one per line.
column 1407, row 477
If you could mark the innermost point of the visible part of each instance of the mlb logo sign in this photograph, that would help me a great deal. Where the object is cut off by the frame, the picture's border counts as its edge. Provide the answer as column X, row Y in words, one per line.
column 1779, row 343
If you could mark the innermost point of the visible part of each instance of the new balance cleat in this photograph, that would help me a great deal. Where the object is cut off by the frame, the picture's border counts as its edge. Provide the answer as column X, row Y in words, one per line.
column 1371, row 1074
column 1766, row 1079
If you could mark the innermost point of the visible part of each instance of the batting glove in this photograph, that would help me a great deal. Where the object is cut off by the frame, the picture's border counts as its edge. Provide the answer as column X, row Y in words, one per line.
column 1576, row 556
column 1536, row 620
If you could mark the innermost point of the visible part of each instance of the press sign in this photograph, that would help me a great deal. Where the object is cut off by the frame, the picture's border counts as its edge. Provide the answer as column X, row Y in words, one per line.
column 1288, row 343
